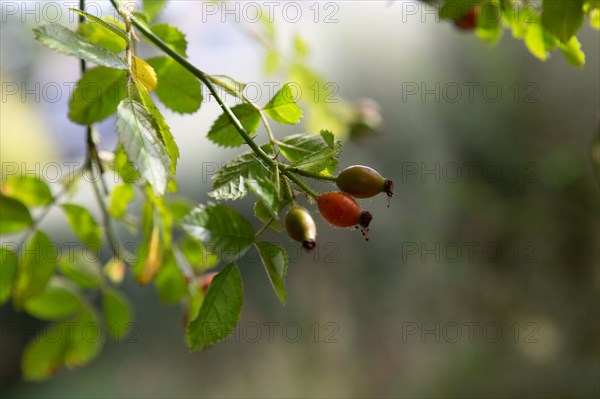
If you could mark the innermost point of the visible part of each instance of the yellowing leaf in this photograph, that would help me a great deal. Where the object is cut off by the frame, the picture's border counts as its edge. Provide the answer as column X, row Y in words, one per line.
column 144, row 74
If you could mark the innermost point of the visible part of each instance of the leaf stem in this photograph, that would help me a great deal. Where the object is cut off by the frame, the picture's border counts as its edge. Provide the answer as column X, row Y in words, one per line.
column 300, row 183
column 305, row 173
column 264, row 228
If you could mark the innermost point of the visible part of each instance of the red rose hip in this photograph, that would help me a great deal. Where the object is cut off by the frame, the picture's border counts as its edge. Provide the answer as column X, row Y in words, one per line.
column 342, row 210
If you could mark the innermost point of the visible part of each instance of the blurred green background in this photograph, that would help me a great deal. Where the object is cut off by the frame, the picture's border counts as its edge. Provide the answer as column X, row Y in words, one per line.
column 480, row 280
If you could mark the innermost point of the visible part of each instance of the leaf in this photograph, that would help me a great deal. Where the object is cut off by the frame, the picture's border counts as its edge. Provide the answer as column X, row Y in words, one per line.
column 221, row 229
column 178, row 207
column 595, row 19
column 311, row 153
column 30, row 190
column 538, row 41
column 14, row 216
column 228, row 84
column 117, row 312
column 8, row 272
column 65, row 41
column 123, row 168
column 454, row 9
column 172, row 36
column 170, row 281
column 229, row 181
column 562, row 18
column 329, row 138
column 142, row 144
column 225, row 134
column 152, row 260
column 144, row 73
column 152, row 8
column 197, row 255
column 263, row 214
column 97, row 95
column 83, row 224
column 114, row 29
column 120, row 198
column 177, row 88
column 58, row 301
column 573, row 53
column 489, row 22
column 82, row 269
column 85, row 339
column 282, row 107
column 220, row 311
column 38, row 261
column 267, row 194
column 275, row 260
column 43, row 355
column 97, row 34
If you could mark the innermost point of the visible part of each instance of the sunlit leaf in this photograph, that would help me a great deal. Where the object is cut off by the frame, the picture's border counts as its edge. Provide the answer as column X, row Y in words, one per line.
column 225, row 134
column 83, row 224
column 283, row 108
column 57, row 301
column 14, row 216
column 30, row 190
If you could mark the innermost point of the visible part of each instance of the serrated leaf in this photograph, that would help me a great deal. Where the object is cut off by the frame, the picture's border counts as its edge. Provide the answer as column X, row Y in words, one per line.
column 117, row 312
column 225, row 134
column 57, row 301
column 152, row 8
column 228, row 84
column 329, row 138
column 263, row 214
column 141, row 141
column 573, row 53
column 8, row 272
column 144, row 74
column 97, row 95
column 172, row 36
column 220, row 310
column 38, row 261
column 170, row 281
column 223, row 230
column 275, row 260
column 177, row 88
column 562, row 18
column 81, row 269
column 198, row 257
column 14, row 216
column 229, row 181
column 114, row 29
column 120, row 198
column 43, row 355
column 65, row 41
column 85, row 339
column 83, row 224
column 282, row 107
column 30, row 190
column 311, row 153
column 266, row 192
column 97, row 34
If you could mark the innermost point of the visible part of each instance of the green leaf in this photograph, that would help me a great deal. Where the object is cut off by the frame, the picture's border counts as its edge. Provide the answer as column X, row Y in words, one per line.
column 123, row 168
column 81, row 269
column 119, row 200
column 595, row 19
column 43, row 355
column 178, row 207
column 454, row 9
column 30, row 190
column 170, row 281
column 97, row 34
column 14, row 216
column 329, row 138
column 534, row 40
column 229, row 181
column 142, row 144
column 220, row 311
column 97, row 95
column 172, row 36
column 225, row 134
column 8, row 272
column 228, row 84
column 223, row 230
column 275, row 260
column 177, row 88
column 264, row 214
column 272, row 62
column 197, row 255
column 83, row 224
column 267, row 194
column 312, row 153
column 161, row 126
column 562, row 18
column 114, row 29
column 282, row 107
column 117, row 312
column 85, row 339
column 58, row 301
column 152, row 8
column 573, row 53
column 489, row 22
column 38, row 261
column 65, row 41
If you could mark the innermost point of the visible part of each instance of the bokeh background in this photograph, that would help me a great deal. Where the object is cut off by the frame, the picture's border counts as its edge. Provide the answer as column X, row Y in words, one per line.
column 480, row 280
